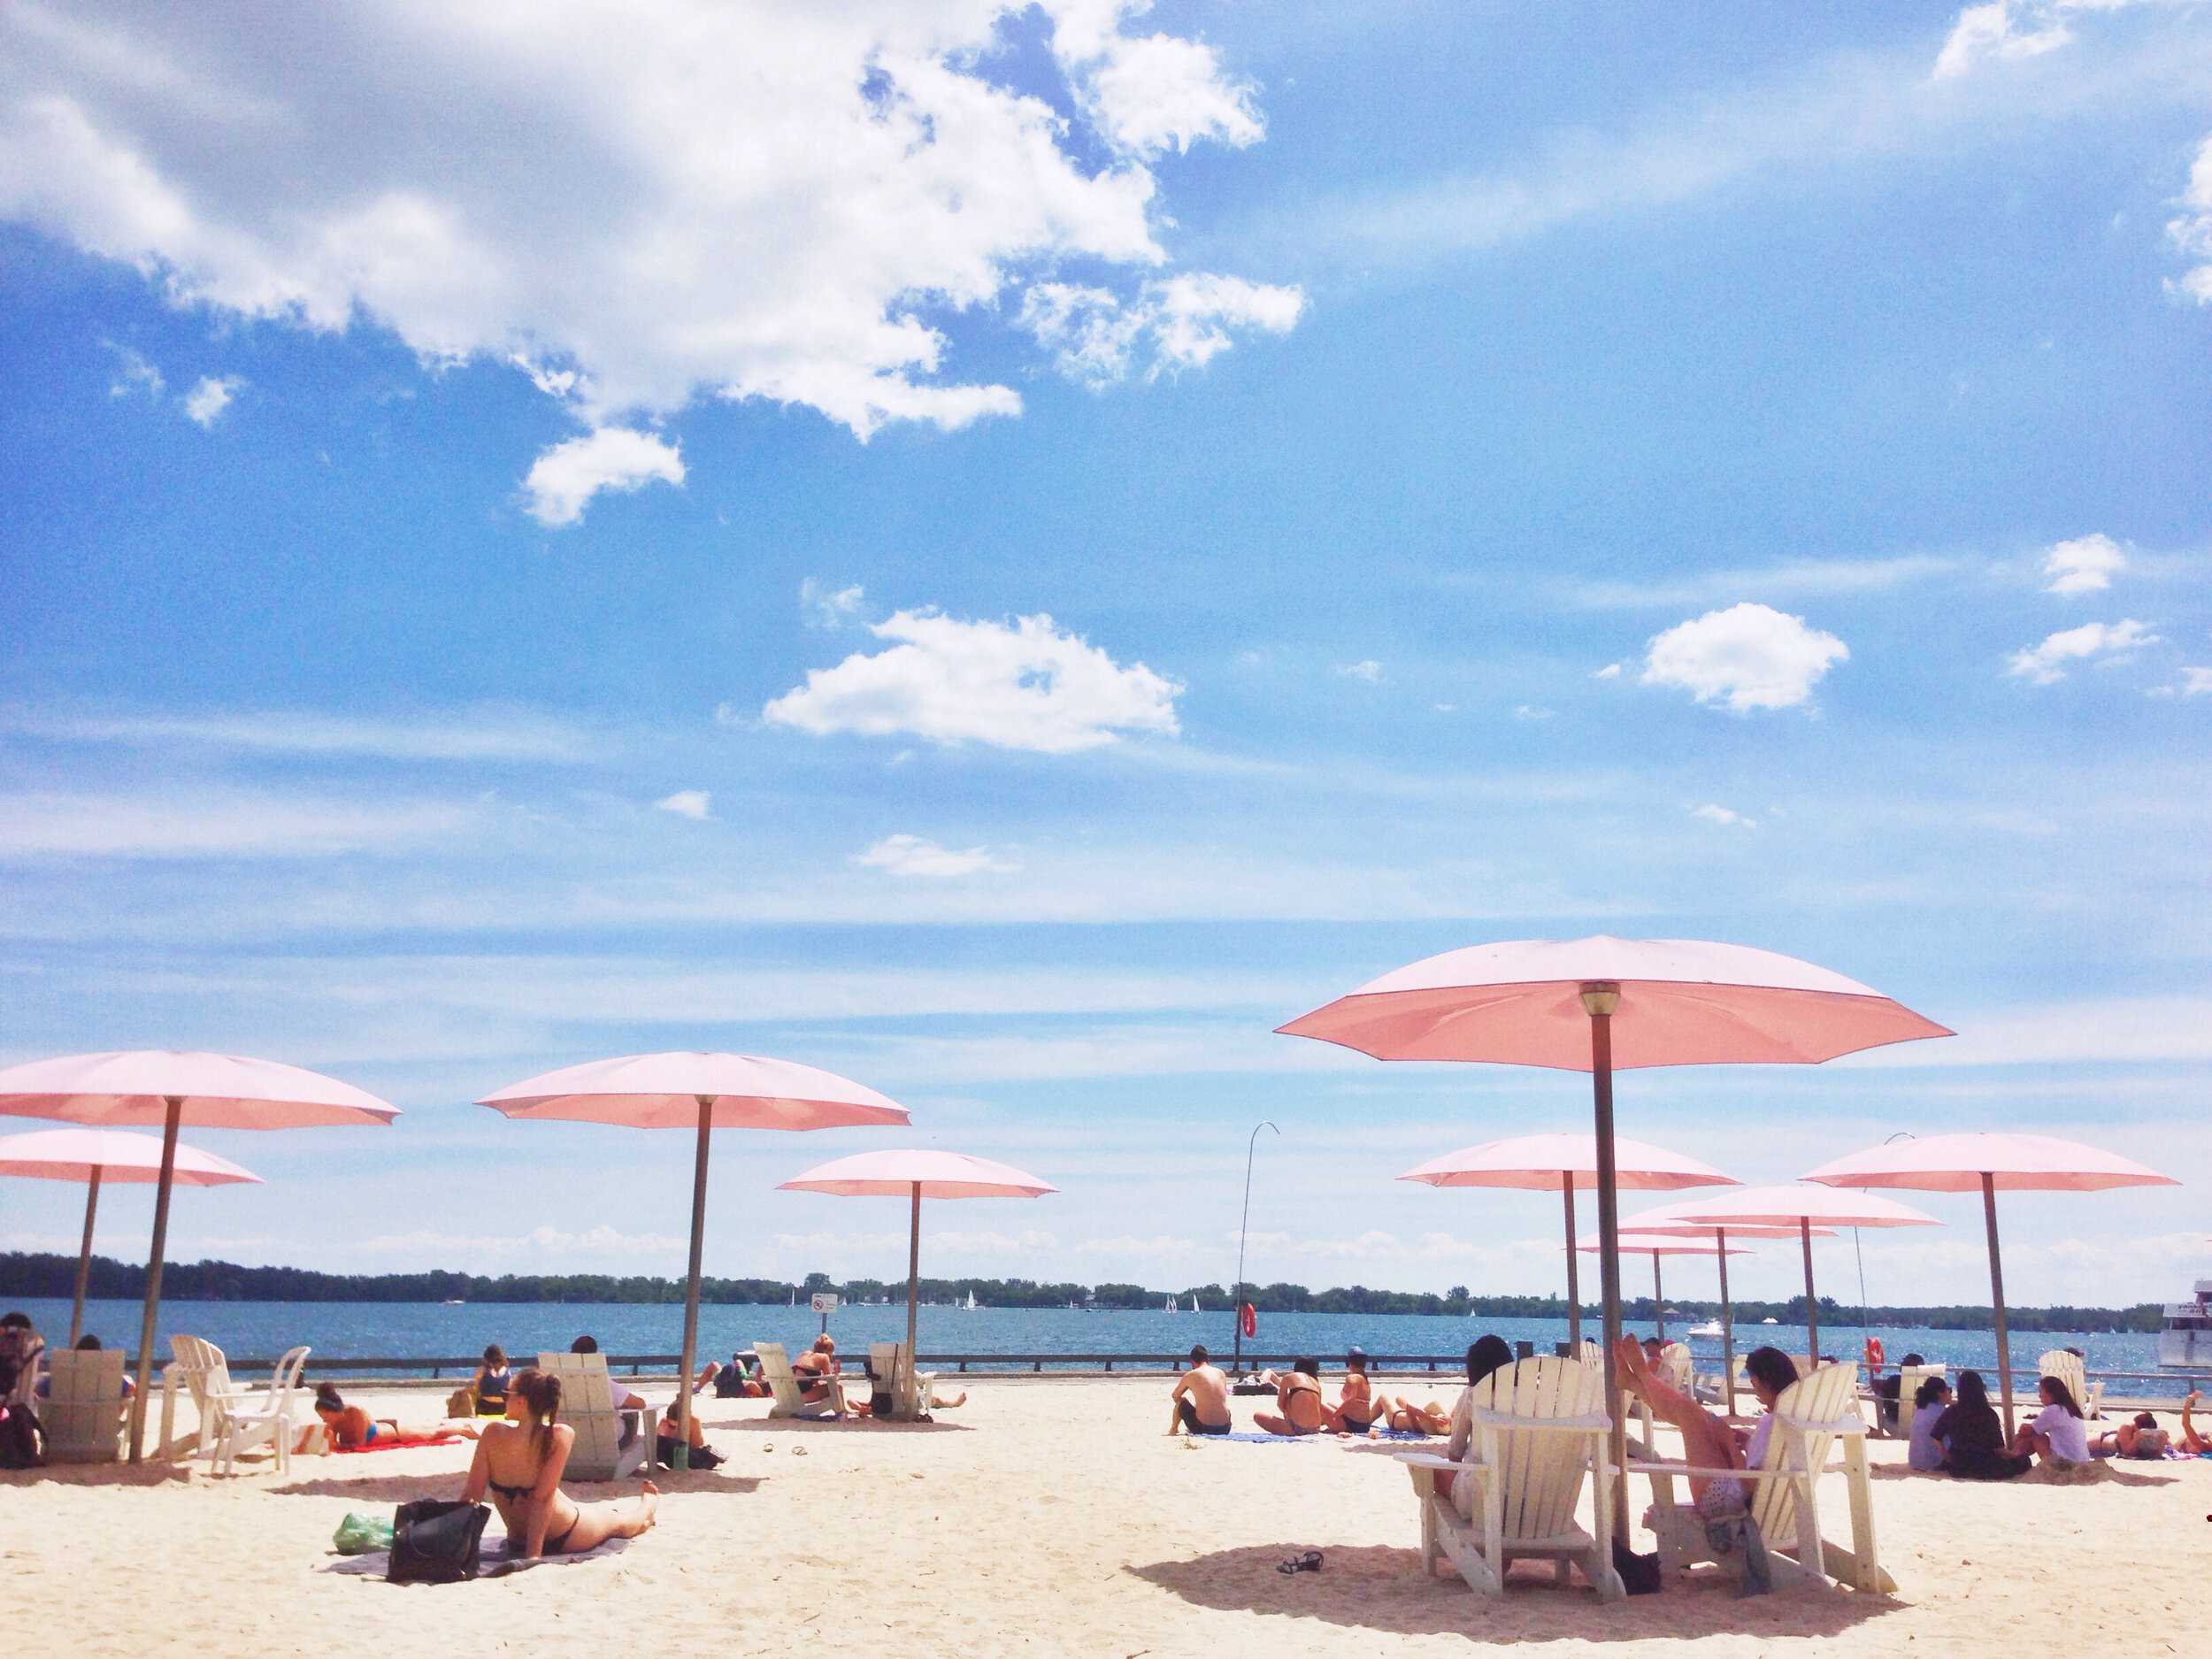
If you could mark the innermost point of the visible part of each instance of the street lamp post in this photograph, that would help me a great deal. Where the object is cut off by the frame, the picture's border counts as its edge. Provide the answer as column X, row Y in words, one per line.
column 1236, row 1297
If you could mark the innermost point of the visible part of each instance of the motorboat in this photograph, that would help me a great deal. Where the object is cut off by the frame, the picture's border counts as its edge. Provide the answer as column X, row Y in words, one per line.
column 2185, row 1337
column 1711, row 1330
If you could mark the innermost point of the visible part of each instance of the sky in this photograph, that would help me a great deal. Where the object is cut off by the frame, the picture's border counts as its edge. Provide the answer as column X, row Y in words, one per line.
column 1007, row 553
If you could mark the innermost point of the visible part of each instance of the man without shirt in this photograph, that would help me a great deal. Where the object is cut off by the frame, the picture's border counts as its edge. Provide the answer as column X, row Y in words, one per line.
column 1202, row 1398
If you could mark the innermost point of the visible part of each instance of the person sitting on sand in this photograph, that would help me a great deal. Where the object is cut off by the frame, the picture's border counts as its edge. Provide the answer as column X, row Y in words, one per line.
column 1928, row 1403
column 737, row 1380
column 2056, row 1434
column 1201, row 1400
column 2142, row 1438
column 1298, row 1395
column 1358, row 1407
column 1972, row 1438
column 519, row 1465
column 703, row 1456
column 490, row 1383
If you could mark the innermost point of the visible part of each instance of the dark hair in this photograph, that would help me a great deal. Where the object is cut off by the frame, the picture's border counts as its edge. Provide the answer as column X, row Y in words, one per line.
column 1771, row 1366
column 1912, row 1359
column 540, row 1391
column 2060, row 1394
column 2145, row 1420
column 1306, row 1363
column 584, row 1345
column 1972, row 1390
column 1930, row 1390
column 1198, row 1355
column 1485, row 1355
column 88, row 1343
column 495, row 1356
column 22, row 1321
column 327, row 1398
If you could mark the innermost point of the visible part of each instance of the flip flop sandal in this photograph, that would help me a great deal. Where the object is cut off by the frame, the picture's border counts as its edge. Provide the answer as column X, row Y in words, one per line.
column 1310, row 1561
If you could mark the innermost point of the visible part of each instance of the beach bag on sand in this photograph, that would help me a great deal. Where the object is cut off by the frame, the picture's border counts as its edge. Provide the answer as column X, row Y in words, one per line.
column 436, row 1541
column 20, row 1438
column 359, row 1534
column 461, row 1402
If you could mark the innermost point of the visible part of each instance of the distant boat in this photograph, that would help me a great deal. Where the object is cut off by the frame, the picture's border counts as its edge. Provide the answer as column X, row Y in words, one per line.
column 455, row 1301
column 1770, row 1321
column 1711, row 1329
column 970, row 1304
column 1170, row 1306
column 1193, row 1303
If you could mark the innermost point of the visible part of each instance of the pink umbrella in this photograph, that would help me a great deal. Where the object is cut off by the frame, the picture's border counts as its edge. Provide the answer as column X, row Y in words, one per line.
column 1592, row 1004
column 917, row 1172
column 1795, row 1209
column 705, row 1092
column 1655, row 1246
column 172, row 1087
column 1967, row 1162
column 1533, row 1163
column 89, row 1155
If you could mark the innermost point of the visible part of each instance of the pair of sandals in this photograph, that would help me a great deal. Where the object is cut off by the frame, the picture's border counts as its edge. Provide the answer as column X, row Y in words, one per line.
column 1310, row 1561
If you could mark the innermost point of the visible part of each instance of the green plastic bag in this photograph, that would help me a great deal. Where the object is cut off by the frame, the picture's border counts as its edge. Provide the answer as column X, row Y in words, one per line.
column 358, row 1534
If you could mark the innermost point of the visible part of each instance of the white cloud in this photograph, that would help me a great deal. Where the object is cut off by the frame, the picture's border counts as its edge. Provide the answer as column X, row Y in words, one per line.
column 2083, row 565
column 1751, row 656
column 737, row 198
column 1611, row 671
column 911, row 856
column 2041, row 664
column 1368, row 670
column 489, row 735
column 1095, row 334
column 1713, row 814
column 568, row 475
column 2191, row 233
column 443, row 1246
column 242, row 826
column 133, row 374
column 2196, row 682
column 204, row 404
column 1532, row 712
column 691, row 803
column 2005, row 30
column 1025, row 686
column 827, row 607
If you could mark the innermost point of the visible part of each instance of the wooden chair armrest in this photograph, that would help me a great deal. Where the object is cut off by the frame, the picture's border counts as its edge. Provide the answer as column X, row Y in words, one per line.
column 1694, row 1471
column 1427, row 1460
column 1596, row 1422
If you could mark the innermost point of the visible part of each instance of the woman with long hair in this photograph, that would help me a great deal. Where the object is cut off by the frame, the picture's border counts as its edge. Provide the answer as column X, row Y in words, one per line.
column 1974, row 1440
column 519, row 1464
column 490, row 1383
column 2056, row 1434
column 1485, row 1355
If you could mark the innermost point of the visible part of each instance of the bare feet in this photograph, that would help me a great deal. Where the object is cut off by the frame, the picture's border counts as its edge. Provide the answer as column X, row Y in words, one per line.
column 649, row 1501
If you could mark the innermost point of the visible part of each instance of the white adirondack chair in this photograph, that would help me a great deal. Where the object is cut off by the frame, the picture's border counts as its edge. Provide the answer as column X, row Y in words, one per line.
column 1909, row 1377
column 611, row 1444
column 272, row 1415
column 2068, row 1369
column 199, row 1366
column 775, row 1371
column 1538, row 1432
column 1810, row 1416
column 83, row 1408
column 913, row 1392
column 1677, row 1369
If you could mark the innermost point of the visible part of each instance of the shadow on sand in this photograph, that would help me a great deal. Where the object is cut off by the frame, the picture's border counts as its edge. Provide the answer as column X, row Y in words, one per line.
column 1379, row 1588
column 405, row 1488
column 2110, row 1475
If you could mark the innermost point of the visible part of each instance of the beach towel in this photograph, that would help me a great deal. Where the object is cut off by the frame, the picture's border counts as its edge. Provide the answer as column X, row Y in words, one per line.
column 399, row 1442
column 497, row 1562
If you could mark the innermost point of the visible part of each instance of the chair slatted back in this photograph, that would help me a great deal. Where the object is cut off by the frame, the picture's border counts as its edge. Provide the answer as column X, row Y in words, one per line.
column 83, row 1409
column 587, row 1407
column 1677, row 1369
column 775, row 1371
column 2068, row 1369
column 1538, row 1476
column 1813, row 1401
column 206, row 1375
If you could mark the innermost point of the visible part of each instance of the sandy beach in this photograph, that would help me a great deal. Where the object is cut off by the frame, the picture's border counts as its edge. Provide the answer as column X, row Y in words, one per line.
column 1045, row 1516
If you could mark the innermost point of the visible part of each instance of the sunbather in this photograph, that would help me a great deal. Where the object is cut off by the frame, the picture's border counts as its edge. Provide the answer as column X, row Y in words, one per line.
column 629, row 1399
column 1200, row 1401
column 2056, row 1434
column 352, row 1427
column 518, row 1464
column 1358, row 1407
column 2142, row 1438
column 1973, row 1439
column 1298, row 1395
column 819, row 1396
column 1707, row 1441
column 738, row 1380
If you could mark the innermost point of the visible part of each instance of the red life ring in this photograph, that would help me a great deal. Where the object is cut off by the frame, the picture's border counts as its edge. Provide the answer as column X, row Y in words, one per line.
column 1874, row 1353
column 1251, row 1318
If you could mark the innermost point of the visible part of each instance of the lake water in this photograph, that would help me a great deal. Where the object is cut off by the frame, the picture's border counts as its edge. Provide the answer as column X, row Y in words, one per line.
column 338, row 1330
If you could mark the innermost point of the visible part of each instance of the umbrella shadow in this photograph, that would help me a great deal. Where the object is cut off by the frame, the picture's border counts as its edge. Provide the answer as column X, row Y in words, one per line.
column 2108, row 1475
column 406, row 1488
column 822, row 1425
column 1377, row 1588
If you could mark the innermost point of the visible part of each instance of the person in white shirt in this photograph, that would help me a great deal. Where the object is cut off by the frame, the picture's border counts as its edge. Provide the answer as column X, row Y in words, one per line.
column 2056, row 1434
column 1926, row 1452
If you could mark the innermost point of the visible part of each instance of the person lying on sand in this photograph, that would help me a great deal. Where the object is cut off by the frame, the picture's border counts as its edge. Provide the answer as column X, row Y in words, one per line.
column 1298, row 1395
column 2192, row 1441
column 703, row 1456
column 2142, row 1438
column 352, row 1425
column 1358, row 1407
column 2056, row 1434
column 518, row 1464
column 1201, row 1400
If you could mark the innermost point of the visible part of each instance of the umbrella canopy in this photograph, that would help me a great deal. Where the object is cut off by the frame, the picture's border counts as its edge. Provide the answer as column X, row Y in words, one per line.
column 1594, row 1005
column 700, row 1092
column 1567, row 1161
column 1657, row 1245
column 914, row 1173
column 1986, row 1162
column 172, row 1087
column 92, row 1154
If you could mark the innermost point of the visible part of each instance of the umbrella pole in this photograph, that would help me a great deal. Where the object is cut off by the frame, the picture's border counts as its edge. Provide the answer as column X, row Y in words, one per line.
column 1658, row 1300
column 84, row 1258
column 1574, row 1288
column 680, row 1459
column 1997, row 1297
column 1727, row 1327
column 1599, row 1001
column 1812, row 1307
column 172, row 1116
column 913, row 1290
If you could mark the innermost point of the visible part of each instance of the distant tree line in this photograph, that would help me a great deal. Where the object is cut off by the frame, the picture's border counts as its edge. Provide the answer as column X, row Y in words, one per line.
column 26, row 1274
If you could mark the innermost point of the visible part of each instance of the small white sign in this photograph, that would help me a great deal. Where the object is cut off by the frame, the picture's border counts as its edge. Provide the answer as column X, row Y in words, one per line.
column 825, row 1302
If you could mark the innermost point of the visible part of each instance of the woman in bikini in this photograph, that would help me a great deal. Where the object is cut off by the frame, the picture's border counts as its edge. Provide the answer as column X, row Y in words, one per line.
column 1298, row 1390
column 519, row 1464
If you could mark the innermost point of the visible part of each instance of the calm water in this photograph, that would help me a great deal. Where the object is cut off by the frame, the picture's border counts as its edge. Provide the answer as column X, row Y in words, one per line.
column 366, row 1330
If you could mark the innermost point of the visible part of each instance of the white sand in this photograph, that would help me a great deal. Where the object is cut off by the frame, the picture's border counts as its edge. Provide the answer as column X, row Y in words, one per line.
column 1049, row 1518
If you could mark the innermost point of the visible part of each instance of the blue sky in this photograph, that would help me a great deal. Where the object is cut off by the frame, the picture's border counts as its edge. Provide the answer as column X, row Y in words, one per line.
column 1006, row 555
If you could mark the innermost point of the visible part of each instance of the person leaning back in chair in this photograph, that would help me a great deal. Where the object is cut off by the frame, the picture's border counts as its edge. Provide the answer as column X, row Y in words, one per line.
column 703, row 1456
column 1202, row 1397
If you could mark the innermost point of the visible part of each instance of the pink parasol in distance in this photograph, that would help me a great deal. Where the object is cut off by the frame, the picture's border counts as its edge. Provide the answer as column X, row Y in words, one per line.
column 1595, row 1004
column 92, row 1154
column 916, row 1173
column 702, row 1092
column 170, row 1088
column 1986, row 1162
column 1657, row 1245
column 1536, row 1162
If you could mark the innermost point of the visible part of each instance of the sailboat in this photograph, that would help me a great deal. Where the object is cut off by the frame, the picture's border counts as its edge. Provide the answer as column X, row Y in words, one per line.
column 970, row 1304
column 1193, row 1302
column 1170, row 1306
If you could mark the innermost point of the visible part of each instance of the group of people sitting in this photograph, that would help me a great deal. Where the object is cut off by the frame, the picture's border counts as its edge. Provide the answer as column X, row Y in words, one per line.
column 1200, row 1404
column 1958, row 1433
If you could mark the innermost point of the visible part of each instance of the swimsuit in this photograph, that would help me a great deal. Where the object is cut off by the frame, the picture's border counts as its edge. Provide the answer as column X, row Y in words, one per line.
column 518, row 1494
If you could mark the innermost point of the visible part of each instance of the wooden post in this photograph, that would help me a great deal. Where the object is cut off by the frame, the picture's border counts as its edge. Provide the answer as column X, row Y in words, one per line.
column 171, row 1118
